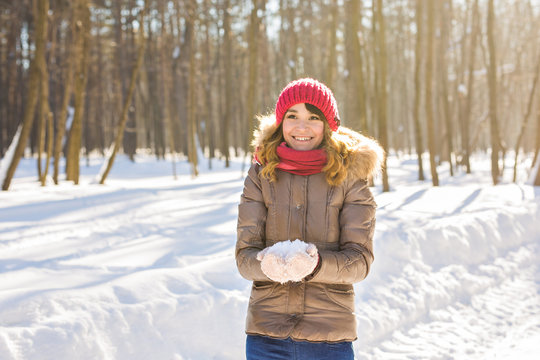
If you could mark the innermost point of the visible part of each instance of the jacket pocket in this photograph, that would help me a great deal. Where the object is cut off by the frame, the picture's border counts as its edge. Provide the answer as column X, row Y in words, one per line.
column 341, row 296
column 261, row 290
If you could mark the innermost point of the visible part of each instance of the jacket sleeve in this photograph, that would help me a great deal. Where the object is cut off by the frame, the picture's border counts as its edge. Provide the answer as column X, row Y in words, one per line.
column 357, row 224
column 250, row 229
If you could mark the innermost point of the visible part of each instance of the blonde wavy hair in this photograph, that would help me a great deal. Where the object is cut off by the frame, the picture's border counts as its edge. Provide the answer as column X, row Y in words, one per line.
column 336, row 146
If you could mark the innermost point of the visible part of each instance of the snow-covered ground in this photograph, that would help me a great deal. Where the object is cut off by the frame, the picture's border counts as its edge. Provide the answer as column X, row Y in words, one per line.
column 143, row 267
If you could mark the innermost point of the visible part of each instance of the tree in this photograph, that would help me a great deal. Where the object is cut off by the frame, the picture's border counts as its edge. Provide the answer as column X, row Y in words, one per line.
column 537, row 179
column 253, row 43
column 192, row 126
column 381, row 62
column 332, row 43
column 12, row 22
column 127, row 102
column 166, row 87
column 429, row 87
column 526, row 117
column 228, row 68
column 45, row 118
column 444, row 7
column 492, row 80
column 419, row 142
column 76, row 44
column 466, row 118
column 537, row 143
column 81, row 78
column 42, row 10
column 355, row 65
column 209, row 67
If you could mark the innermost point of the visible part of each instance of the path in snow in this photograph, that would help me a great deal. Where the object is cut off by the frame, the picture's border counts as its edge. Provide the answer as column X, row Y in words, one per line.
column 496, row 322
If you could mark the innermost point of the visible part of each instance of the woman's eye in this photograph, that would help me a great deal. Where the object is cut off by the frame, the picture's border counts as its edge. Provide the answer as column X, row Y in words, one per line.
column 291, row 116
column 314, row 118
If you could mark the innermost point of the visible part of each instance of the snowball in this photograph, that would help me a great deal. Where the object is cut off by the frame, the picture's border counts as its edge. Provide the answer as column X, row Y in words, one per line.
column 288, row 247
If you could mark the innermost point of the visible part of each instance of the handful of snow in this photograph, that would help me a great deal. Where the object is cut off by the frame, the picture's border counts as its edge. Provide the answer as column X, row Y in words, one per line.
column 288, row 260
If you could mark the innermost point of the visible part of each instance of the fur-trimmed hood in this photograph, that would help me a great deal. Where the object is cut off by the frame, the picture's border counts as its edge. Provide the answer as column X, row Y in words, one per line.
column 366, row 154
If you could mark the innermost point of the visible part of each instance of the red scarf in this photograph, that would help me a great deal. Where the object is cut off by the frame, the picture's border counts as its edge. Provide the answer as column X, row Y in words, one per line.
column 301, row 162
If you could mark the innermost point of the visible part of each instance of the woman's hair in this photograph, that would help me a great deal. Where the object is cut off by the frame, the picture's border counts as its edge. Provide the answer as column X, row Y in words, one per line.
column 337, row 152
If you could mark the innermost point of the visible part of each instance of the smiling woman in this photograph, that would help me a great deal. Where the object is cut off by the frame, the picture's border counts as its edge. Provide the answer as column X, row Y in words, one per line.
column 305, row 226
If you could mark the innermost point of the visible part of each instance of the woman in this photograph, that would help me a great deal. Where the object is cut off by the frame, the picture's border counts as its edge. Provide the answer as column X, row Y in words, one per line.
column 305, row 227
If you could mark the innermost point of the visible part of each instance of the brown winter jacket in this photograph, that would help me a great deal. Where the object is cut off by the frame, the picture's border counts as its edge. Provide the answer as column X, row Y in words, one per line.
column 339, row 220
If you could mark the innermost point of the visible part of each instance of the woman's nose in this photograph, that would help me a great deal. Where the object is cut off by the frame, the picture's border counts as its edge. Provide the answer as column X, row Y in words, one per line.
column 302, row 124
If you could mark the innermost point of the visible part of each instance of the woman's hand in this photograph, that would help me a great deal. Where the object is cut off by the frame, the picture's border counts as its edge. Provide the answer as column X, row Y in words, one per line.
column 288, row 261
column 302, row 263
column 273, row 266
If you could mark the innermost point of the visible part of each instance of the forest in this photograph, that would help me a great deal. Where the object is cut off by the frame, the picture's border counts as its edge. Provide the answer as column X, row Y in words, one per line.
column 436, row 79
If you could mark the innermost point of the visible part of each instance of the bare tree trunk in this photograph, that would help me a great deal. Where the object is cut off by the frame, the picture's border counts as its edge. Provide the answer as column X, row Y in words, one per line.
column 101, row 119
column 470, row 87
column 47, row 128
column 70, row 70
column 291, row 40
column 158, row 132
column 419, row 141
column 165, row 87
column 492, row 80
column 359, row 120
column 192, row 127
column 45, row 116
column 536, row 159
column 331, row 64
column 181, row 64
column 429, row 87
column 46, row 111
column 228, row 81
column 537, row 178
column 33, row 88
column 208, row 75
column 306, row 45
column 381, row 88
column 11, row 113
column 127, row 102
column 526, row 118
column 120, row 72
column 253, row 42
column 75, row 134
column 537, row 145
column 444, row 11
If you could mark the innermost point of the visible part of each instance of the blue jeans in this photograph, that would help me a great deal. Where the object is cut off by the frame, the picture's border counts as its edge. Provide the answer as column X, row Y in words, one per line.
column 266, row 348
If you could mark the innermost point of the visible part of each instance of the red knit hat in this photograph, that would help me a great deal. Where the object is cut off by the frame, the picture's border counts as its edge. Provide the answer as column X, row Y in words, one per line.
column 312, row 92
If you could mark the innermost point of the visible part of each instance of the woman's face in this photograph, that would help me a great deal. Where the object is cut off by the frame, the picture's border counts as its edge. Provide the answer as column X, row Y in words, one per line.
column 302, row 129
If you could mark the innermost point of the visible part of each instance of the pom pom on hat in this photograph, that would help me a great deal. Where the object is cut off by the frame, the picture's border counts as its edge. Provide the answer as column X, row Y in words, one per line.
column 312, row 92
